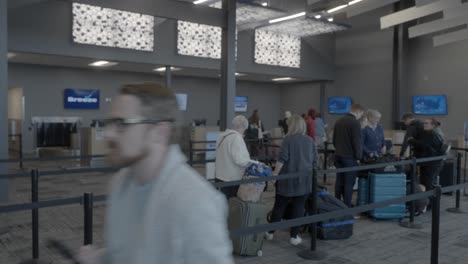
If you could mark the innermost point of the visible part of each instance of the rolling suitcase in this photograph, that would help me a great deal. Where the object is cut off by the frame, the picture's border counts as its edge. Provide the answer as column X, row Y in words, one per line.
column 246, row 214
column 335, row 228
column 386, row 186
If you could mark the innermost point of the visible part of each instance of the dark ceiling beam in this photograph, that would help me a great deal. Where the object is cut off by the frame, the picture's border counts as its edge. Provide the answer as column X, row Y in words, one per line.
column 12, row 4
column 169, row 9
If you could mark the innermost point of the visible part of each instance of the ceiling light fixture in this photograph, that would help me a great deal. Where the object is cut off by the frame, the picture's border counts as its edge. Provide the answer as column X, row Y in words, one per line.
column 354, row 2
column 287, row 17
column 264, row 4
column 163, row 69
column 102, row 64
column 11, row 55
column 336, row 8
column 318, row 16
column 282, row 79
column 331, row 19
column 200, row 1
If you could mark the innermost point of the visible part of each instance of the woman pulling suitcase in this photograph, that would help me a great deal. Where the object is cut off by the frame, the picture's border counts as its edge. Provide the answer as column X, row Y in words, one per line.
column 298, row 155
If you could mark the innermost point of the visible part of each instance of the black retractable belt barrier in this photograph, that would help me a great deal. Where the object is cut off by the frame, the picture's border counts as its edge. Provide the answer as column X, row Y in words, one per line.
column 88, row 218
column 313, row 254
column 412, row 207
column 35, row 213
column 435, row 225
column 457, row 209
column 325, row 161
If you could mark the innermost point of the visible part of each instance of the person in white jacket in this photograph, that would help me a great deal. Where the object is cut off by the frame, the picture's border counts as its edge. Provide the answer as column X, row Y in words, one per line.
column 160, row 210
column 232, row 156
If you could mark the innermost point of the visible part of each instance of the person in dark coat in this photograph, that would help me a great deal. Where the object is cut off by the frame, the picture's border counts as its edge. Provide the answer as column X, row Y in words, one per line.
column 414, row 129
column 347, row 140
column 429, row 144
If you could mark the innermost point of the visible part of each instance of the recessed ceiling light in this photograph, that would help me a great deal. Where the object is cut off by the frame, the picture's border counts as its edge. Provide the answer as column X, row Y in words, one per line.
column 264, row 4
column 287, row 17
column 318, row 16
column 163, row 69
column 200, row 1
column 282, row 79
column 336, row 8
column 11, row 55
column 331, row 19
column 102, row 64
column 237, row 74
column 354, row 1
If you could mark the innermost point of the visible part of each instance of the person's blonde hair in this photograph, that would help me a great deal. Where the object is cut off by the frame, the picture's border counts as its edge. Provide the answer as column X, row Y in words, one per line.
column 296, row 125
column 158, row 103
column 373, row 113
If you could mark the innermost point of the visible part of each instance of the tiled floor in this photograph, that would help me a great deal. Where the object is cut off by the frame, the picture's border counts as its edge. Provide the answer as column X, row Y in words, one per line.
column 381, row 242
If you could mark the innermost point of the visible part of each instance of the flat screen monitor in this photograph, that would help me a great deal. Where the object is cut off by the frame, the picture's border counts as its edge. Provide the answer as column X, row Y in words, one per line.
column 182, row 101
column 240, row 104
column 81, row 99
column 430, row 104
column 339, row 105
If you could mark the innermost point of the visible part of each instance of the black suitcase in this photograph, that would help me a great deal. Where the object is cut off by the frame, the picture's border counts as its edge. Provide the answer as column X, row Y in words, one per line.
column 336, row 228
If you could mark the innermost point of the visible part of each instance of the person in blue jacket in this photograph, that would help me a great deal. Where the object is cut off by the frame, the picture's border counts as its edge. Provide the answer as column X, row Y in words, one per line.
column 373, row 139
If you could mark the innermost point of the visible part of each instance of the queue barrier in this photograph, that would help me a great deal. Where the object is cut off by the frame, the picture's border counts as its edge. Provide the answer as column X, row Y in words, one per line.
column 87, row 200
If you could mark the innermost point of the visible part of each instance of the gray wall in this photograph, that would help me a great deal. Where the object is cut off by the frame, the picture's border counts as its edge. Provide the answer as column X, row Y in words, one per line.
column 364, row 64
column 441, row 70
column 43, row 90
column 298, row 98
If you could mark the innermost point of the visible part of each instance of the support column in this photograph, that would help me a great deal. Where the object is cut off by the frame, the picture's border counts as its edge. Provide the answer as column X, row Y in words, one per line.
column 168, row 77
column 228, row 65
column 3, row 98
column 400, row 95
column 323, row 85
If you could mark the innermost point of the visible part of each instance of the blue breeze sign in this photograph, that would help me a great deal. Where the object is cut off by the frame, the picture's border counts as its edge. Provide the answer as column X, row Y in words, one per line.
column 81, row 99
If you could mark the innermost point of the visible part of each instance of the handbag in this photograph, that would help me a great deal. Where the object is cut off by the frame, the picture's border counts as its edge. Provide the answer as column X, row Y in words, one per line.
column 252, row 192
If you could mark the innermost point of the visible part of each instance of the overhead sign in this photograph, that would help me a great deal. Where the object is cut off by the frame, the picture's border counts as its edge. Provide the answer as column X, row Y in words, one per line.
column 81, row 99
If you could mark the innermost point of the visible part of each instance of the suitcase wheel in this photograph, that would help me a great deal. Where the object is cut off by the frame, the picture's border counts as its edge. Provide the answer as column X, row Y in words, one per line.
column 260, row 253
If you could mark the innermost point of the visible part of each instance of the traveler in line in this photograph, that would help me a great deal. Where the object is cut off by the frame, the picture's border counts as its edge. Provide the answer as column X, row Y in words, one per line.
column 429, row 144
column 310, row 121
column 348, row 151
column 232, row 156
column 320, row 130
column 414, row 129
column 298, row 155
column 373, row 138
column 254, row 134
column 160, row 210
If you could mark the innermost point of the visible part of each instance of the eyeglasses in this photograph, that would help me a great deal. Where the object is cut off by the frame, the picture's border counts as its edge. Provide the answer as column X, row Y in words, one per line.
column 122, row 123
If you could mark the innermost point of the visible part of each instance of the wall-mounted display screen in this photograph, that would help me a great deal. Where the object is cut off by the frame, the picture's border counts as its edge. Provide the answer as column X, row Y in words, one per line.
column 81, row 99
column 240, row 104
column 339, row 105
column 430, row 104
column 182, row 101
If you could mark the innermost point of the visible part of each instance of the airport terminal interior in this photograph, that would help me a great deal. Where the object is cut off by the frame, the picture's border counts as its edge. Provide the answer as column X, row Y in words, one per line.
column 326, row 66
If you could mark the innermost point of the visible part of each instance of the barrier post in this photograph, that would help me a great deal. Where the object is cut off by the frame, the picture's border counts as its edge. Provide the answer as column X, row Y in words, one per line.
column 35, row 213
column 20, row 138
column 435, row 225
column 313, row 254
column 325, row 162
column 412, row 207
column 88, row 200
column 457, row 209
column 190, row 153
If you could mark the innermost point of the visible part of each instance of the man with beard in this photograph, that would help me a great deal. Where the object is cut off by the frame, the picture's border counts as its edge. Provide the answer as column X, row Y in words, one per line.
column 160, row 210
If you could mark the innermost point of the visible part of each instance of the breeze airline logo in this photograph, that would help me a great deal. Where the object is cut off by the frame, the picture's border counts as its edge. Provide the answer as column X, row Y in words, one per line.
column 87, row 99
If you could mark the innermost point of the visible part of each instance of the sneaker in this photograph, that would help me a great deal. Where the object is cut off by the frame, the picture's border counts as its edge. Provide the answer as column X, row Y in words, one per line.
column 269, row 236
column 295, row 240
